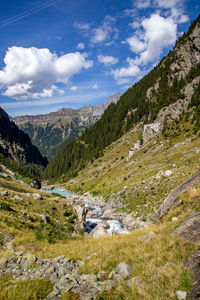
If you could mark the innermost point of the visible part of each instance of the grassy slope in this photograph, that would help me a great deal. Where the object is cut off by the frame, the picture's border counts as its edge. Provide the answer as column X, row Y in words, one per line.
column 133, row 182
column 145, row 258
column 107, row 176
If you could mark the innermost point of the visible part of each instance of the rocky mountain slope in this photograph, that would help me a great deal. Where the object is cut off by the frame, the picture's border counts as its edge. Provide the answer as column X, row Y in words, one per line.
column 51, row 131
column 17, row 145
column 159, row 99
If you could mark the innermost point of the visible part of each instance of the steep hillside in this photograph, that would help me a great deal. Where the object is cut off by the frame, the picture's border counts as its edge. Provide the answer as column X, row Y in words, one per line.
column 51, row 131
column 162, row 97
column 17, row 145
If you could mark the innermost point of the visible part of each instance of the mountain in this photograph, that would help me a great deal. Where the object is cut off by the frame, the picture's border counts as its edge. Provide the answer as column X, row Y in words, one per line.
column 17, row 145
column 160, row 97
column 51, row 131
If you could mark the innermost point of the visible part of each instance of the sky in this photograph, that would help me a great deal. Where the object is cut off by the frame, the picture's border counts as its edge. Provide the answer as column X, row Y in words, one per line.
column 64, row 53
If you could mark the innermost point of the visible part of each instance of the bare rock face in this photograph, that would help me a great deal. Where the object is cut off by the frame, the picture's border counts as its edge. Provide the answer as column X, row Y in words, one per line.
column 190, row 229
column 187, row 53
column 113, row 99
column 193, row 264
column 171, row 198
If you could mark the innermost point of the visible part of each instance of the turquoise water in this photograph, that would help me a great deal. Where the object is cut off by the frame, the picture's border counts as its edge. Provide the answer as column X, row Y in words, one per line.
column 60, row 191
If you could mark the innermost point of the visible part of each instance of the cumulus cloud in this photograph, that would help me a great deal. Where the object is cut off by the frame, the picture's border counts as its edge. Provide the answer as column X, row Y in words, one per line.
column 173, row 8
column 131, row 71
column 135, row 44
column 80, row 46
column 95, row 87
column 104, row 31
column 107, row 60
column 158, row 33
column 33, row 72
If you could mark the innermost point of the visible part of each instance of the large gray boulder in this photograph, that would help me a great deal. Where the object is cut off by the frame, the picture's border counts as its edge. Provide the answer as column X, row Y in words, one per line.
column 100, row 230
column 81, row 213
column 130, row 222
column 190, row 229
column 171, row 198
column 193, row 264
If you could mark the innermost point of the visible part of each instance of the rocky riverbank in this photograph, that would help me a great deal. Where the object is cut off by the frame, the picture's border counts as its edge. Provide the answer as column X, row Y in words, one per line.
column 97, row 216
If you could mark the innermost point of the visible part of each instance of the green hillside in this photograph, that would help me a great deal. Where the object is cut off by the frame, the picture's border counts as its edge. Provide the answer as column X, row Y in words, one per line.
column 141, row 103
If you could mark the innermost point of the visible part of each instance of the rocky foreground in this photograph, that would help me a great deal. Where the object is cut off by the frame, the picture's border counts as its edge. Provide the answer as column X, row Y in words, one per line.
column 63, row 273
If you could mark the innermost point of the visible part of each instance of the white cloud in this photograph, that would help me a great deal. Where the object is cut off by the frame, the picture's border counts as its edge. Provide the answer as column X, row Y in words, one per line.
column 107, row 60
column 33, row 72
column 104, row 31
column 80, row 46
column 73, row 88
column 131, row 71
column 124, row 81
column 82, row 26
column 176, row 8
column 141, row 4
column 100, row 34
column 135, row 24
column 135, row 44
column 158, row 33
column 95, row 87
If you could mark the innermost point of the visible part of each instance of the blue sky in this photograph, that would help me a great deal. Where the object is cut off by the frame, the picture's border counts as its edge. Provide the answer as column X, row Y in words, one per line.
column 64, row 53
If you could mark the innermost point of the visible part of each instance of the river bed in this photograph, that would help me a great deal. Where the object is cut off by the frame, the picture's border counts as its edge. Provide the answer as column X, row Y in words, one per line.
column 115, row 226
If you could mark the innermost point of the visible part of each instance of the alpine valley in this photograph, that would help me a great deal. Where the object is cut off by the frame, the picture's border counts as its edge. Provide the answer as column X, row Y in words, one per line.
column 118, row 212
column 50, row 132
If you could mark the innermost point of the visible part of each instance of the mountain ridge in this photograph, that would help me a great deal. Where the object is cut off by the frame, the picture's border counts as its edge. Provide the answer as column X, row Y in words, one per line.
column 50, row 131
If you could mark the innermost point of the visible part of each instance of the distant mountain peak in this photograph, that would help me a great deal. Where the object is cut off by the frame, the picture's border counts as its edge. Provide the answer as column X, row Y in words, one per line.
column 51, row 131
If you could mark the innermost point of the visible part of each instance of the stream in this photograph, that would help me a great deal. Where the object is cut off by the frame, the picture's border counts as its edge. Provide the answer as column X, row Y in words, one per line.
column 115, row 226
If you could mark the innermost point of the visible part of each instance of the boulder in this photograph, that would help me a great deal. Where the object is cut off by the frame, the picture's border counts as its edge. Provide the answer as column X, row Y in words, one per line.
column 190, row 229
column 168, row 173
column 30, row 258
column 9, row 246
column 130, row 222
column 149, row 236
column 181, row 295
column 107, row 214
column 99, row 230
column 37, row 196
column 193, row 263
column 123, row 269
column 45, row 219
column 137, row 282
column 92, row 214
column 81, row 213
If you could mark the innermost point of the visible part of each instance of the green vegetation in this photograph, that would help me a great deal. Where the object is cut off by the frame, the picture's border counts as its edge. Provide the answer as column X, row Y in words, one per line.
column 29, row 172
column 36, row 289
column 132, row 108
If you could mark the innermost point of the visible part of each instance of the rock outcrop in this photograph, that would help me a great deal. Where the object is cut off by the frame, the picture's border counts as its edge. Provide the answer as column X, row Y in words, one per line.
column 190, row 229
column 193, row 263
column 171, row 198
